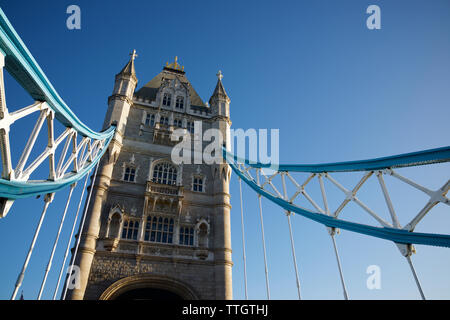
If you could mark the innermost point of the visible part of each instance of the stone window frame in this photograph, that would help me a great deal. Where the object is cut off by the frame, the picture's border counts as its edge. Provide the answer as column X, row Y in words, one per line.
column 154, row 163
column 166, row 100
column 149, row 119
column 191, row 235
column 135, row 230
column 132, row 165
column 190, row 126
column 164, row 120
column 178, row 123
column 147, row 231
column 116, row 210
column 203, row 184
column 198, row 226
column 179, row 102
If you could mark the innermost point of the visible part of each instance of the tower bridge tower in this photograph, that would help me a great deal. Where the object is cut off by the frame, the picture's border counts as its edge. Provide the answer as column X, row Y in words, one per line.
column 155, row 229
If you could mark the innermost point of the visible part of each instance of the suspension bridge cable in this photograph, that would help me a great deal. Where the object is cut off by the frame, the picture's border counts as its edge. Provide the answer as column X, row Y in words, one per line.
column 70, row 238
column 332, row 234
column 47, row 199
column 263, row 239
column 80, row 233
column 408, row 257
column 339, row 266
column 288, row 214
column 243, row 240
column 49, row 265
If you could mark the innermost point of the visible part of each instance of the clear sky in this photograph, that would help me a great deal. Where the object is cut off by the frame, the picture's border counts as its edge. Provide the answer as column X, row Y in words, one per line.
column 336, row 90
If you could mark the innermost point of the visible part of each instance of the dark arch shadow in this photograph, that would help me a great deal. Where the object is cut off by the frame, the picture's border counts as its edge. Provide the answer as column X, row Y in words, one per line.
column 148, row 294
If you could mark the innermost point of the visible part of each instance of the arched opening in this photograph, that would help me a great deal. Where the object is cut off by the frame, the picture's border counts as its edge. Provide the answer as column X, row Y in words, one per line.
column 148, row 294
column 114, row 226
column 203, row 236
column 149, row 287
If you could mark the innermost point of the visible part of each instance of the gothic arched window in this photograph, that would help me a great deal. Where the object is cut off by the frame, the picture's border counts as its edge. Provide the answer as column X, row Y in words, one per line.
column 150, row 120
column 177, row 123
column 190, row 126
column 165, row 173
column 167, row 99
column 203, row 235
column 164, row 120
column 179, row 103
column 159, row 229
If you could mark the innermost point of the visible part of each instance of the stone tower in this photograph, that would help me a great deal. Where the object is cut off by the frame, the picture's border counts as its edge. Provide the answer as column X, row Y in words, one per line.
column 155, row 229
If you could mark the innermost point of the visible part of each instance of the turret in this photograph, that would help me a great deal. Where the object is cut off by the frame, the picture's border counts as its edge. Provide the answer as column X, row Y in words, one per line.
column 119, row 104
column 220, row 105
column 120, row 101
column 219, row 101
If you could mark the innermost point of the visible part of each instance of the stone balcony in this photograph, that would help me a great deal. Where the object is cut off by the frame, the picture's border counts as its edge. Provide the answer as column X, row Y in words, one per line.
column 162, row 133
column 164, row 189
column 163, row 197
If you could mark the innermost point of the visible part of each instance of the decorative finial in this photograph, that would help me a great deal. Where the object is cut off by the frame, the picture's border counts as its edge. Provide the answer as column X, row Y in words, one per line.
column 219, row 75
column 133, row 55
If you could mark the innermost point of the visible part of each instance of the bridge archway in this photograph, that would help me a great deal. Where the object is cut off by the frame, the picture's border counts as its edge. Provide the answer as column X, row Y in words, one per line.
column 149, row 287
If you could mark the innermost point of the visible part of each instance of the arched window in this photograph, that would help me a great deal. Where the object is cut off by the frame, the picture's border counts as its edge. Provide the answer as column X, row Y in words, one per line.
column 165, row 173
column 167, row 99
column 177, row 123
column 187, row 236
column 190, row 126
column 203, row 235
column 130, row 229
column 159, row 229
column 150, row 120
column 164, row 120
column 179, row 103
column 114, row 226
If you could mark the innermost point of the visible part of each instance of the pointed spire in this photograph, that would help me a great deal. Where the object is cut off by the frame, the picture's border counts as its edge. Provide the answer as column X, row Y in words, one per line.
column 219, row 92
column 129, row 67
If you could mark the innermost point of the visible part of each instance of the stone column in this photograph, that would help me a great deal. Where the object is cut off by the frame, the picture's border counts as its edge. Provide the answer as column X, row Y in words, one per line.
column 91, row 230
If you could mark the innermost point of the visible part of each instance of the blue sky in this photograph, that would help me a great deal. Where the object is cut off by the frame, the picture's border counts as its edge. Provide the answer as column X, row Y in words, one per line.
column 336, row 90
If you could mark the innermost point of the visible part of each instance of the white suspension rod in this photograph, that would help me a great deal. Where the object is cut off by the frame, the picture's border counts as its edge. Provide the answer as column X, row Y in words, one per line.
column 263, row 239
column 48, row 199
column 81, row 230
column 340, row 268
column 408, row 257
column 49, row 265
column 293, row 255
column 243, row 240
column 70, row 237
column 283, row 180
